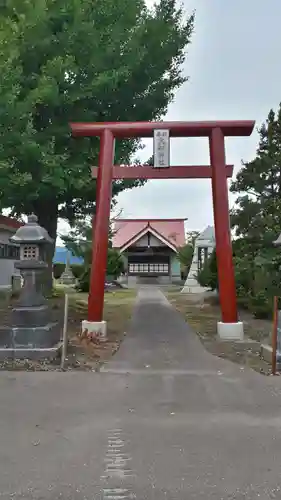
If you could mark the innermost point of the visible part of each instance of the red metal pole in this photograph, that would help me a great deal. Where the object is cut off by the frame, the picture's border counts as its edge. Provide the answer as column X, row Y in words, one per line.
column 101, row 227
column 227, row 288
column 94, row 219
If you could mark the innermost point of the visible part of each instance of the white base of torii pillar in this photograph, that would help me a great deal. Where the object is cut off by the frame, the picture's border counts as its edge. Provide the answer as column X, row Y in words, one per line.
column 205, row 240
column 226, row 331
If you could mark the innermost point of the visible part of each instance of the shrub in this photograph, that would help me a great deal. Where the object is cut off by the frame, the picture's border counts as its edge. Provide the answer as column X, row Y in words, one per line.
column 78, row 270
column 258, row 279
column 261, row 306
column 58, row 269
column 84, row 281
column 208, row 276
column 243, row 297
column 115, row 266
column 115, row 263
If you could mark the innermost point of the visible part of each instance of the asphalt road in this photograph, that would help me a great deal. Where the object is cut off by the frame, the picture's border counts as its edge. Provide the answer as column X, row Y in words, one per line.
column 164, row 420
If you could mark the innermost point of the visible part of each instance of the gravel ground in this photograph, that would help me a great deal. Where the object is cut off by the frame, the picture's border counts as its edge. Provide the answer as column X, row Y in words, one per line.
column 81, row 355
column 203, row 319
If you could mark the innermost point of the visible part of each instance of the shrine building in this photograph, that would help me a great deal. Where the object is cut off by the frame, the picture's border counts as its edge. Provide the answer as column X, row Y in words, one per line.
column 9, row 252
column 149, row 248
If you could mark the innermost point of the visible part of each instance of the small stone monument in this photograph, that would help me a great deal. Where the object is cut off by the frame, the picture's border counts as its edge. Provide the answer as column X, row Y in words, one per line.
column 32, row 334
column 67, row 277
column 204, row 246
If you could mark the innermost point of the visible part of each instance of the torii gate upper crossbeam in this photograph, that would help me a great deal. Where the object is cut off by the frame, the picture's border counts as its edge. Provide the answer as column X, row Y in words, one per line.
column 123, row 130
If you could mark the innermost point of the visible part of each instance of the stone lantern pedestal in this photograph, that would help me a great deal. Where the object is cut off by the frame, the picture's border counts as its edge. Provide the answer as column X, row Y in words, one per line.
column 32, row 333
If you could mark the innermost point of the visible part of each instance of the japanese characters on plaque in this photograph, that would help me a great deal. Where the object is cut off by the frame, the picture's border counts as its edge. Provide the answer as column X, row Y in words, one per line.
column 161, row 148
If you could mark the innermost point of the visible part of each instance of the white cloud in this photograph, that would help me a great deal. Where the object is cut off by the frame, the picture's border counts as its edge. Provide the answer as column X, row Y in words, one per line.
column 234, row 74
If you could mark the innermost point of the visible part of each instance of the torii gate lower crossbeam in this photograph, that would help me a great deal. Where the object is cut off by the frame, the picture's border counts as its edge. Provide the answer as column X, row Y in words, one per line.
column 218, row 171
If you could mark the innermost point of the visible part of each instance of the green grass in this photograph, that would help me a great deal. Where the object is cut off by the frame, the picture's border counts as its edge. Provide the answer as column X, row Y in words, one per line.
column 203, row 318
column 121, row 296
column 118, row 308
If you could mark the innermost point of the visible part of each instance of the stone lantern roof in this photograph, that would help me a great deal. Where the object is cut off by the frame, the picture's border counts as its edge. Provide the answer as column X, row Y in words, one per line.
column 31, row 233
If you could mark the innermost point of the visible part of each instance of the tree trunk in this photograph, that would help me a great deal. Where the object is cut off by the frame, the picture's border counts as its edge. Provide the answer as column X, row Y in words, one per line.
column 47, row 214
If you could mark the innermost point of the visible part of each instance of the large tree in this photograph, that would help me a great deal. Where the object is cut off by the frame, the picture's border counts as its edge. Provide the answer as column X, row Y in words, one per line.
column 256, row 216
column 79, row 239
column 78, row 60
column 79, row 242
column 256, row 219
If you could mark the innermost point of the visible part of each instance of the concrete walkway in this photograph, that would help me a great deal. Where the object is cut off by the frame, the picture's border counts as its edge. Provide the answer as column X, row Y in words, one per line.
column 163, row 420
column 160, row 339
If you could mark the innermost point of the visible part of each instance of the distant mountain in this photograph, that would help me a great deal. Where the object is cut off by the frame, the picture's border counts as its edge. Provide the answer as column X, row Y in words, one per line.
column 60, row 257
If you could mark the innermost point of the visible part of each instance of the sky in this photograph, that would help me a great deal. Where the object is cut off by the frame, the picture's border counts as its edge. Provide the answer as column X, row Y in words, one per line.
column 234, row 70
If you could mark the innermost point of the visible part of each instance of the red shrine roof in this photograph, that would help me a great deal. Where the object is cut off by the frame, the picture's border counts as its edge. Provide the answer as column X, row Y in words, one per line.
column 9, row 222
column 127, row 231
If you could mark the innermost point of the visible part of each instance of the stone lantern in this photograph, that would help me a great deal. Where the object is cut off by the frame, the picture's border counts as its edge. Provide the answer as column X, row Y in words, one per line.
column 32, row 333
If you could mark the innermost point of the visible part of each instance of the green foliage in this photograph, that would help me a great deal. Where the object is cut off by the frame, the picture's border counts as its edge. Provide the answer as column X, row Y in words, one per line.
column 257, row 214
column 77, row 270
column 84, row 281
column 256, row 282
column 79, row 239
column 79, row 61
column 256, row 220
column 208, row 275
column 260, row 305
column 115, row 263
column 184, row 256
column 79, row 242
column 115, row 266
column 191, row 237
column 58, row 269
column 185, row 253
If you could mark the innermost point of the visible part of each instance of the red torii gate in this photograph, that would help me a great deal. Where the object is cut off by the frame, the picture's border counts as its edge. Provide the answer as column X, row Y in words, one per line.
column 218, row 171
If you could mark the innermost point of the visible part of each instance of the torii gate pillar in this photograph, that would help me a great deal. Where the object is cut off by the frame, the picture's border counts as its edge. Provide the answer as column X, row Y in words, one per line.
column 218, row 171
column 229, row 328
